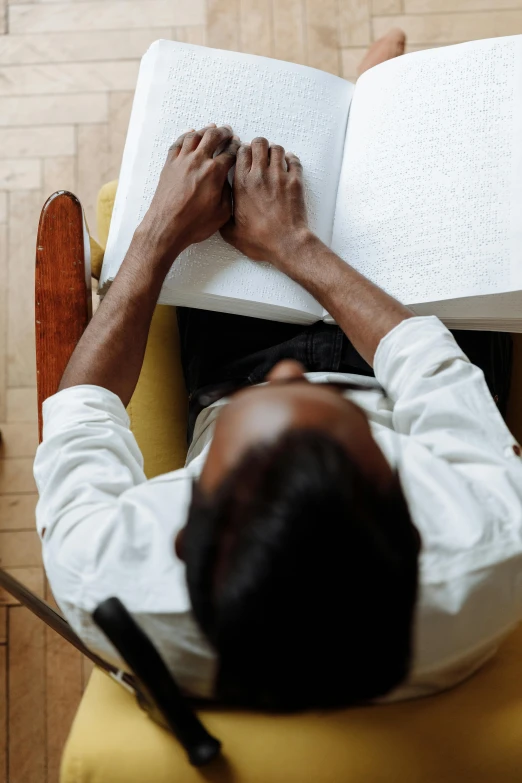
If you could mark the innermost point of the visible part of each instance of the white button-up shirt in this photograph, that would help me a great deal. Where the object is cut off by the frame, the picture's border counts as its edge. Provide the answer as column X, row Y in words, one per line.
column 107, row 531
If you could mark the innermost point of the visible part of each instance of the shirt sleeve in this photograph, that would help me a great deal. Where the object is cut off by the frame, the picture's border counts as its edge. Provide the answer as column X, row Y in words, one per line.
column 87, row 459
column 462, row 478
column 441, row 399
column 108, row 531
column 105, row 529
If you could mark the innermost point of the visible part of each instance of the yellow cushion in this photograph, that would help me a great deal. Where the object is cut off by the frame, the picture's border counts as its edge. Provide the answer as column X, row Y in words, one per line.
column 472, row 733
column 104, row 208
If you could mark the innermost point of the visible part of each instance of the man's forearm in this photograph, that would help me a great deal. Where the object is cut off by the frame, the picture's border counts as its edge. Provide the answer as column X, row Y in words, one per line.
column 364, row 311
column 192, row 201
column 110, row 352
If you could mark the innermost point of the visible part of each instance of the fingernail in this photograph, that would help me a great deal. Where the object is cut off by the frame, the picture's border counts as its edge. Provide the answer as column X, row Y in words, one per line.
column 228, row 126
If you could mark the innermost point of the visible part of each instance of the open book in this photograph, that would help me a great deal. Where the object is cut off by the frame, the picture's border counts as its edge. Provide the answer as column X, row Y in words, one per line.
column 414, row 176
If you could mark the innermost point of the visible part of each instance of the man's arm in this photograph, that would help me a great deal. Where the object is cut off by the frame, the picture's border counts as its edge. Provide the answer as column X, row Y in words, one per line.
column 364, row 311
column 270, row 224
column 192, row 201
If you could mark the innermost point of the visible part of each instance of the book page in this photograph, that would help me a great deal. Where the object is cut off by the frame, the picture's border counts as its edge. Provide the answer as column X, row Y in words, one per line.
column 430, row 194
column 183, row 86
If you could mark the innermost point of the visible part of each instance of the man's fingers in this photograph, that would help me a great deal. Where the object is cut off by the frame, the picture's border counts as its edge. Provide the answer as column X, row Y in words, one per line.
column 259, row 147
column 213, row 138
column 227, row 157
column 243, row 160
column 293, row 163
column 192, row 141
column 277, row 156
column 175, row 148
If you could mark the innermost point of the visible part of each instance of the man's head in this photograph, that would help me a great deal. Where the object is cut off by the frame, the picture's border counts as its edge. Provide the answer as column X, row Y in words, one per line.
column 301, row 556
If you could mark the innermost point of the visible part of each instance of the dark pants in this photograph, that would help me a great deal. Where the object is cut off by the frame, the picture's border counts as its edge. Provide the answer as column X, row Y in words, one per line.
column 218, row 349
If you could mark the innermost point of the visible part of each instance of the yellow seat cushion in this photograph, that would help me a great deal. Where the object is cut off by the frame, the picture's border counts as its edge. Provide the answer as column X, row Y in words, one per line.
column 471, row 733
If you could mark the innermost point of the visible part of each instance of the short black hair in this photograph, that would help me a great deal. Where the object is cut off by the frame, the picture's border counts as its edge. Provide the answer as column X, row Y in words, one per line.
column 303, row 576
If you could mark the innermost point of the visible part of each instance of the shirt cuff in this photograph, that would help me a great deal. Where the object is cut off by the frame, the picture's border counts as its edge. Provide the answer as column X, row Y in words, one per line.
column 414, row 348
column 81, row 403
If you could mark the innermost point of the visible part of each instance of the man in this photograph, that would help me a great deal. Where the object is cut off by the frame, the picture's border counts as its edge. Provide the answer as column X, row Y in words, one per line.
column 336, row 536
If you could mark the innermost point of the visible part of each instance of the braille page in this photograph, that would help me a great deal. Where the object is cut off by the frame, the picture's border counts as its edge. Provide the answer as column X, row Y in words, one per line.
column 182, row 86
column 429, row 203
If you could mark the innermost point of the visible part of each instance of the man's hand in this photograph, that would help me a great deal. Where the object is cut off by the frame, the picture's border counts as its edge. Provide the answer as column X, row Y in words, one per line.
column 193, row 198
column 192, row 201
column 269, row 207
column 270, row 224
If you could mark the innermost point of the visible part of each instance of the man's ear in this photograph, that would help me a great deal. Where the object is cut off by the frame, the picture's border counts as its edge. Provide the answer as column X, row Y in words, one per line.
column 178, row 544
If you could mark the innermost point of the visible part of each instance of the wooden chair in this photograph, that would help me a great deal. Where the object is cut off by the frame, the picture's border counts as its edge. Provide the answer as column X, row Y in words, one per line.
column 470, row 733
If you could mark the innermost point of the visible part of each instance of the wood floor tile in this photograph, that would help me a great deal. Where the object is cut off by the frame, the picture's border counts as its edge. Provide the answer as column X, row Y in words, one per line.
column 322, row 26
column 81, row 46
column 255, row 30
column 350, row 60
column 17, row 512
column 223, row 24
column 3, row 206
column 387, row 7
column 20, row 173
column 440, row 6
column 30, row 576
column 120, row 105
column 289, row 30
column 27, row 702
column 16, row 475
column 54, row 109
column 20, row 549
column 59, row 174
column 451, row 27
column 18, row 440
column 104, row 15
column 93, row 167
column 24, row 213
column 21, row 404
column 68, row 77
column 193, row 34
column 37, row 142
column 355, row 23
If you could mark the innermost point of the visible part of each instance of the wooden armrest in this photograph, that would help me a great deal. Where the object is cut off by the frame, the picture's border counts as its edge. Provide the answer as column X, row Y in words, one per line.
column 63, row 303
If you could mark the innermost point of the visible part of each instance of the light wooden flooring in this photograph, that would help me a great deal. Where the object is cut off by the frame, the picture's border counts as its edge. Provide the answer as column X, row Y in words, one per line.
column 67, row 72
